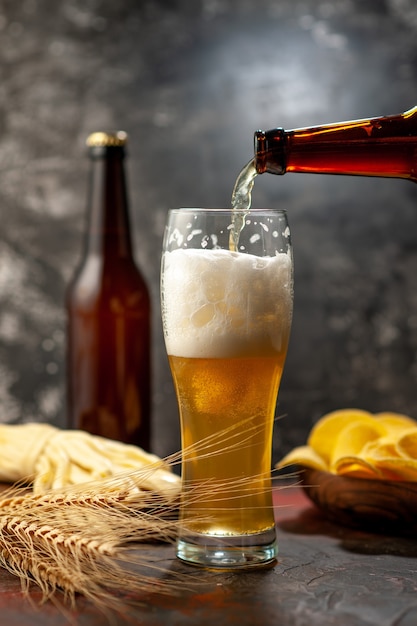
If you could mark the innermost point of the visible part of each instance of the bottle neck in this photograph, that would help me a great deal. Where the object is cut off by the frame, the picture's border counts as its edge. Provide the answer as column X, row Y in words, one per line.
column 270, row 151
column 108, row 214
column 384, row 146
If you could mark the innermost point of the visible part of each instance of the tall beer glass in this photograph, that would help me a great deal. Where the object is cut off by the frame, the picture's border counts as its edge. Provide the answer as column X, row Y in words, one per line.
column 226, row 310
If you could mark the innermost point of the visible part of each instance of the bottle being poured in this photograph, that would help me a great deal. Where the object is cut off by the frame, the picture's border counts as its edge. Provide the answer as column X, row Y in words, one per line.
column 382, row 146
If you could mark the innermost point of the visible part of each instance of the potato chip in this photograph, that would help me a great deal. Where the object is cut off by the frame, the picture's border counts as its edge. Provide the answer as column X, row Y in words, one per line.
column 355, row 467
column 355, row 443
column 381, row 448
column 305, row 456
column 396, row 422
column 407, row 444
column 325, row 432
column 354, row 437
column 397, row 469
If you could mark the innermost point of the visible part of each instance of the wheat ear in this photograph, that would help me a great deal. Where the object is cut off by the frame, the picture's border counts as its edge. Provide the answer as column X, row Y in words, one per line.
column 84, row 539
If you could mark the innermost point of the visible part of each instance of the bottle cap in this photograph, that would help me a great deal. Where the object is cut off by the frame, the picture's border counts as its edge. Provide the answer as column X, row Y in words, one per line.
column 107, row 139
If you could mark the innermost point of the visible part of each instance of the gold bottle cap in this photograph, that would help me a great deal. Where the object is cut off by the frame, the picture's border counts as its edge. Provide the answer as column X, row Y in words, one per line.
column 107, row 139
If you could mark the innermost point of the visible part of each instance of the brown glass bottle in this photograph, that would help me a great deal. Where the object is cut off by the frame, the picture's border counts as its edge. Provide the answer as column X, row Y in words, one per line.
column 108, row 309
column 383, row 146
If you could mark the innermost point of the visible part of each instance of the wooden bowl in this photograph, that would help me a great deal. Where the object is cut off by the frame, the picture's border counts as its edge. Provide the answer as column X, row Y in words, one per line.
column 380, row 506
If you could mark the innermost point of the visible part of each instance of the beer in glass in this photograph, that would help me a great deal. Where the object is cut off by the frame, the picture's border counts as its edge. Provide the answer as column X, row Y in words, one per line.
column 226, row 313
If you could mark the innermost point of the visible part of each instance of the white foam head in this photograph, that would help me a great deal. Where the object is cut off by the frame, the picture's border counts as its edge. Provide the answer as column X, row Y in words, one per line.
column 217, row 303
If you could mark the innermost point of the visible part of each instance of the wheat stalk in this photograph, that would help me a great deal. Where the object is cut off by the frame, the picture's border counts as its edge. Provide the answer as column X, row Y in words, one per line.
column 82, row 547
column 81, row 539
column 75, row 540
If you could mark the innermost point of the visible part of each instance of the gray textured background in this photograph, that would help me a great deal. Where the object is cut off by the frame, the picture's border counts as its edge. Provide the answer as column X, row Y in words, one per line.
column 190, row 81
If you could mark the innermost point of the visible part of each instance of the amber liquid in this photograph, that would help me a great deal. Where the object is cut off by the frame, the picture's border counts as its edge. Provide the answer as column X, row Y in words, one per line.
column 227, row 408
column 241, row 202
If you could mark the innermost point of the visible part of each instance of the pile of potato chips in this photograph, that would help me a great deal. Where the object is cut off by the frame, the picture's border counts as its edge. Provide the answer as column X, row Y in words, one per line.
column 352, row 442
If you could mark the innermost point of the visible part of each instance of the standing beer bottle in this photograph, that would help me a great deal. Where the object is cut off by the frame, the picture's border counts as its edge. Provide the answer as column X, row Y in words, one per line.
column 383, row 146
column 108, row 308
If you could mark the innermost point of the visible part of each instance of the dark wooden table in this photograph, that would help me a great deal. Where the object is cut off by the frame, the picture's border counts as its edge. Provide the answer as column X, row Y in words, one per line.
column 326, row 575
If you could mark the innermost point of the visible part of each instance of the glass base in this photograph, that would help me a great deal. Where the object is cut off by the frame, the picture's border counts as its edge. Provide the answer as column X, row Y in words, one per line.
column 232, row 552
